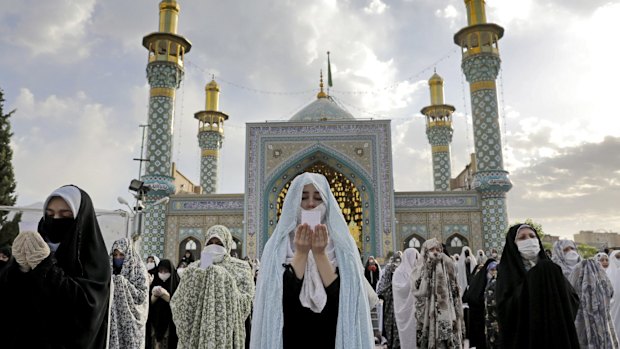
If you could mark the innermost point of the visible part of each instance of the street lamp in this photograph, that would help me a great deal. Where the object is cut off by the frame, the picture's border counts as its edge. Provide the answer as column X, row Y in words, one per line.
column 137, row 212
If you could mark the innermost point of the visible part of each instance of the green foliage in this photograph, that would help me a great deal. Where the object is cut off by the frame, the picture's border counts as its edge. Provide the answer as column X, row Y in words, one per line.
column 9, row 230
column 586, row 251
column 7, row 177
column 537, row 226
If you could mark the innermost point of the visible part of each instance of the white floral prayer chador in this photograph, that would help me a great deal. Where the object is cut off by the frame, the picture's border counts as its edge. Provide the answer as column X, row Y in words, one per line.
column 210, row 305
column 130, row 305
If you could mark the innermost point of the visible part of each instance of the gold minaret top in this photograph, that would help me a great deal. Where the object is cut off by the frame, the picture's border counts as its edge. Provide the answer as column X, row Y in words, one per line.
column 476, row 12
column 168, row 16
column 166, row 45
column 436, row 85
column 321, row 93
column 212, row 96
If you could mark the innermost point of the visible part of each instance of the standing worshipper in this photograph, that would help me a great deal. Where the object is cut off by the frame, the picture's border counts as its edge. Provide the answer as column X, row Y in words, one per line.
column 438, row 310
column 130, row 301
column 565, row 255
column 481, row 257
column 311, row 290
column 404, row 300
column 372, row 271
column 163, row 287
column 466, row 265
column 215, row 297
column 474, row 297
column 59, row 301
column 384, row 290
column 536, row 305
column 594, row 325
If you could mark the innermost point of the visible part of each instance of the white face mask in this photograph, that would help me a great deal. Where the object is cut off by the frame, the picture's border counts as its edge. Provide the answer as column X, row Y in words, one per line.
column 217, row 252
column 180, row 271
column 571, row 257
column 528, row 248
column 321, row 208
column 164, row 276
column 150, row 265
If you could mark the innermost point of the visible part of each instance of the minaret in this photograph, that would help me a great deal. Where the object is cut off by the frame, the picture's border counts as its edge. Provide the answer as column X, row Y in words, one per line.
column 439, row 132
column 481, row 64
column 210, row 136
column 164, row 72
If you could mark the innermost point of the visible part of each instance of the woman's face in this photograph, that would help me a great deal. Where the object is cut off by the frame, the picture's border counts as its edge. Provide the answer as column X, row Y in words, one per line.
column 525, row 233
column 118, row 254
column 215, row 241
column 58, row 208
column 150, row 260
column 568, row 249
column 604, row 261
column 310, row 197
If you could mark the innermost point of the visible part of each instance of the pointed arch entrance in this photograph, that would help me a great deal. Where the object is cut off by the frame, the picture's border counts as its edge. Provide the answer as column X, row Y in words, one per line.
column 351, row 189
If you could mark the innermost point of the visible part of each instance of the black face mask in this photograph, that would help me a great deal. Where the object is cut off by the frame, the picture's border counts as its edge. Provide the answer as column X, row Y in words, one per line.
column 57, row 228
column 466, row 253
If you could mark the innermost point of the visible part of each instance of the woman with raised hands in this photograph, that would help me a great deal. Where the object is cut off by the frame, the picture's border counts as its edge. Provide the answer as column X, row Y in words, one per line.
column 311, row 289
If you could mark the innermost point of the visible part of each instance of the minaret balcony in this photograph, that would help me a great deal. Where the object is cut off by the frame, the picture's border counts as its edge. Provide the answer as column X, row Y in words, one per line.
column 479, row 39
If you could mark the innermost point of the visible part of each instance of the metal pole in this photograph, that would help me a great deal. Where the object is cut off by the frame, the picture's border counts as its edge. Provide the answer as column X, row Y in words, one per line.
column 142, row 151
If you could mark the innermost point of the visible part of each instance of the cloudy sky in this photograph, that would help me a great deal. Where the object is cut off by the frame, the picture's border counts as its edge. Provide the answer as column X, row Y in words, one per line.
column 75, row 72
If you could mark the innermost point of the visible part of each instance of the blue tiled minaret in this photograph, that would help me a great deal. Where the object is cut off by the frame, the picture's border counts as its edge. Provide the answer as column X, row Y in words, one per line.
column 164, row 72
column 481, row 64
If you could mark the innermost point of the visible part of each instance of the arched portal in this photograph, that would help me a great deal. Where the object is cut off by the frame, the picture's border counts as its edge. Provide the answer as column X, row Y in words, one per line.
column 337, row 169
column 236, row 248
column 346, row 194
column 190, row 244
column 414, row 241
column 455, row 243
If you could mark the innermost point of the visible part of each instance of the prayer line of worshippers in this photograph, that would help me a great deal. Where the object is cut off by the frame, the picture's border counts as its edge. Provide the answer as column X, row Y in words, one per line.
column 311, row 288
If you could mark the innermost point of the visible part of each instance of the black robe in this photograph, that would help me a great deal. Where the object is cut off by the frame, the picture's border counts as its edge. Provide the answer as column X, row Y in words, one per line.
column 63, row 302
column 160, row 315
column 474, row 297
column 536, row 308
column 304, row 328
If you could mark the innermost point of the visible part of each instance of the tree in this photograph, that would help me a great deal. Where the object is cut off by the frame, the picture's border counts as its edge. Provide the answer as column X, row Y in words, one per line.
column 8, row 229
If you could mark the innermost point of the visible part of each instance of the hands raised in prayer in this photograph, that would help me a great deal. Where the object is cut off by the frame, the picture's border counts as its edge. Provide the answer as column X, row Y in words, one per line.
column 306, row 239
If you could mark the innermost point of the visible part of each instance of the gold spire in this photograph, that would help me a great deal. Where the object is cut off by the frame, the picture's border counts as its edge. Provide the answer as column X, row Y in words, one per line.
column 321, row 94
column 212, row 95
column 476, row 12
column 168, row 16
column 436, row 85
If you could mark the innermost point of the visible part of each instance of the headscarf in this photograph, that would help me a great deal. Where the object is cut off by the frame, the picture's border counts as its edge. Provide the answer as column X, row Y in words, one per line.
column 538, row 306
column 159, row 312
column 82, row 255
column 130, row 301
column 559, row 257
column 404, row 300
column 439, row 310
column 461, row 268
column 354, row 329
column 613, row 261
column 594, row 325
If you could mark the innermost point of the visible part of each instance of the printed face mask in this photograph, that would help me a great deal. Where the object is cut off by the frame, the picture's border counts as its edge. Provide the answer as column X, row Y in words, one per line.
column 118, row 262
column 528, row 248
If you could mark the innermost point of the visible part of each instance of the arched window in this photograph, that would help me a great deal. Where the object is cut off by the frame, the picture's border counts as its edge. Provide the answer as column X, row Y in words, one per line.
column 190, row 245
column 414, row 241
column 456, row 242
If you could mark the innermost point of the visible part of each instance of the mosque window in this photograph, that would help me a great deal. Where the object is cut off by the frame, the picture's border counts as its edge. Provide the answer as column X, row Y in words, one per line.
column 190, row 245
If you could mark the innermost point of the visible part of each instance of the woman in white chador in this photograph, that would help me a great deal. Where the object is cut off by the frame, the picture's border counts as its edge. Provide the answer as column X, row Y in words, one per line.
column 311, row 289
column 404, row 300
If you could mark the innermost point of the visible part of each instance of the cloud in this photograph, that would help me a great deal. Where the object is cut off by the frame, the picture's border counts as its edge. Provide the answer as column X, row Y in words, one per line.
column 48, row 27
column 376, row 7
column 70, row 140
column 573, row 188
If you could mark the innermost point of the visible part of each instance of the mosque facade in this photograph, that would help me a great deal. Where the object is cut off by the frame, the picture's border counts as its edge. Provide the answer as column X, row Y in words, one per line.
column 355, row 155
